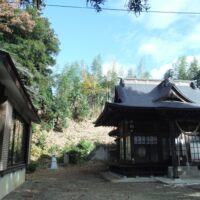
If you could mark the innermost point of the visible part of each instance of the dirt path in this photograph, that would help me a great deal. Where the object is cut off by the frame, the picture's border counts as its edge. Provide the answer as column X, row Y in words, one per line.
column 85, row 183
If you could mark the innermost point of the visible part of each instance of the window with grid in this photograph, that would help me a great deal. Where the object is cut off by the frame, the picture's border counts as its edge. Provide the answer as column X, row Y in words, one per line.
column 145, row 139
column 180, row 145
column 16, row 154
column 195, row 147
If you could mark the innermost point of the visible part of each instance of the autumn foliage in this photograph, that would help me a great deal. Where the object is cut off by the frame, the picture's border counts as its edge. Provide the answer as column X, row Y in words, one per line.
column 11, row 18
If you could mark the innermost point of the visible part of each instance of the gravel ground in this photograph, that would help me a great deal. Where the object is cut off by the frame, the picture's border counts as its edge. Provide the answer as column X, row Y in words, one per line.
column 85, row 183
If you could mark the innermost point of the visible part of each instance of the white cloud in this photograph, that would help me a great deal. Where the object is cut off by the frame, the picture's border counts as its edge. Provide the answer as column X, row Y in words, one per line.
column 158, row 73
column 162, row 21
column 165, row 20
column 120, row 68
column 161, row 38
column 154, row 20
column 148, row 48
column 194, row 37
column 111, row 65
column 160, row 49
column 166, row 46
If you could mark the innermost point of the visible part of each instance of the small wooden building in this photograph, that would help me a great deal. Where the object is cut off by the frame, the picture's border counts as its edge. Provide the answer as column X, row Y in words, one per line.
column 16, row 114
column 156, row 126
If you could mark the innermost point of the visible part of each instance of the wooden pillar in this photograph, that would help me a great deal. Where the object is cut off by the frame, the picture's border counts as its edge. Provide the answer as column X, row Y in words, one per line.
column 173, row 149
column 28, row 138
column 118, row 148
column 132, row 141
column 159, row 141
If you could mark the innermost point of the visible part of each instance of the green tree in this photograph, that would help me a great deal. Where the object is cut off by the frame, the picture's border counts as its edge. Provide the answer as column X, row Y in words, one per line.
column 169, row 74
column 80, row 92
column 35, row 50
column 142, row 73
column 184, row 70
column 111, row 79
column 145, row 75
column 180, row 68
column 97, row 67
column 193, row 69
column 130, row 73
column 70, row 92
column 97, row 94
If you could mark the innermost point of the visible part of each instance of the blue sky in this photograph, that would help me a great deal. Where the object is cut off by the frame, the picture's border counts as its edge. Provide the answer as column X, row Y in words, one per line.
column 124, row 39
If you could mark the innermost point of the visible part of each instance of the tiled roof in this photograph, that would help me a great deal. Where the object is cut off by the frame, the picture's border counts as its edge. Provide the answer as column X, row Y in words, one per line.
column 145, row 98
column 144, row 92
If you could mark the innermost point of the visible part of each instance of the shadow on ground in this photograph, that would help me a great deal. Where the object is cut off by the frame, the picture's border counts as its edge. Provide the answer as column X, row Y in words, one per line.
column 84, row 182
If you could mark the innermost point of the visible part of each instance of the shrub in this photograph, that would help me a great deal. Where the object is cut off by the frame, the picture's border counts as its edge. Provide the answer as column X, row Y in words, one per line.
column 60, row 159
column 32, row 166
column 42, row 141
column 86, row 146
column 44, row 161
column 74, row 155
column 36, row 151
column 54, row 149
column 80, row 152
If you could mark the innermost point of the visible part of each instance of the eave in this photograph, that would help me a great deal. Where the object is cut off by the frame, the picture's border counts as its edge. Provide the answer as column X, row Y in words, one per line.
column 113, row 113
column 15, row 90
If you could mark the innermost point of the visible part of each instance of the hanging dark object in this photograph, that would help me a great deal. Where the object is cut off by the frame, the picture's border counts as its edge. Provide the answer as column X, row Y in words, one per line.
column 138, row 6
column 96, row 4
column 36, row 3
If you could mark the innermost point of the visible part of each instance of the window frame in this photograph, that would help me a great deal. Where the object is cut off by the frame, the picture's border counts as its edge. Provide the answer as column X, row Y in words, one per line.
column 17, row 141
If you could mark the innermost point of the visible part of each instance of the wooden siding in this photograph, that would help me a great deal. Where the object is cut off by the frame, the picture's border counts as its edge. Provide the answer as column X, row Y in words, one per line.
column 2, row 123
column 6, row 135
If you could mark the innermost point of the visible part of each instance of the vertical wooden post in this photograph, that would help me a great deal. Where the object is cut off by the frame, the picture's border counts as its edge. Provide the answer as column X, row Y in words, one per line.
column 124, row 138
column 28, row 137
column 132, row 141
column 118, row 149
column 173, row 149
column 159, row 141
